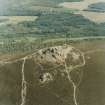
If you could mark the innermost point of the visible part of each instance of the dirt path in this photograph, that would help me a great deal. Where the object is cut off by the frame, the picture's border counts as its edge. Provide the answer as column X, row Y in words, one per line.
column 24, row 85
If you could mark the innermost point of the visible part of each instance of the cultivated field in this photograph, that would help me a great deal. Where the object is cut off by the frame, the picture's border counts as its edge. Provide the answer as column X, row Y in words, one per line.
column 15, row 19
column 83, row 5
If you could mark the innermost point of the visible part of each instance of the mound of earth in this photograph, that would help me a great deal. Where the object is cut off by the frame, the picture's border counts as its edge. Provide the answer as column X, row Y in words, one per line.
column 60, row 55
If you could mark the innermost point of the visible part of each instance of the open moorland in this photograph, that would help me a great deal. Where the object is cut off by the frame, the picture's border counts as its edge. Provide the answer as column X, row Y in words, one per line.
column 52, row 52
column 26, row 80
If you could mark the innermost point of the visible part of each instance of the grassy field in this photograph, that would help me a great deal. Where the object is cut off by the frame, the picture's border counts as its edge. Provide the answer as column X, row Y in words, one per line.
column 91, row 87
column 23, row 46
